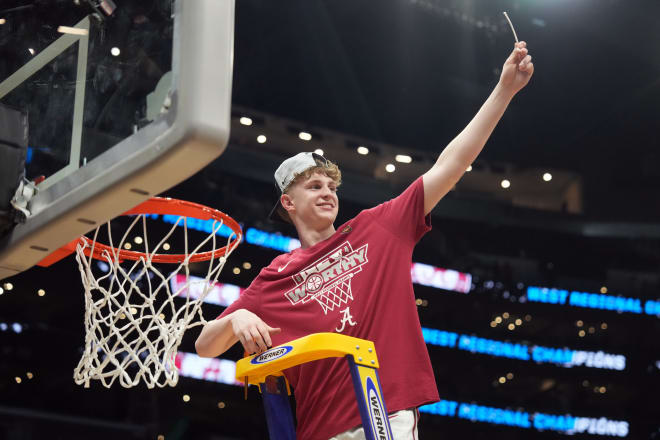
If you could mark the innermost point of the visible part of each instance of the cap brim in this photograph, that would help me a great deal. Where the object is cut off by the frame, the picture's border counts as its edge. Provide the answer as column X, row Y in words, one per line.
column 273, row 212
column 275, row 216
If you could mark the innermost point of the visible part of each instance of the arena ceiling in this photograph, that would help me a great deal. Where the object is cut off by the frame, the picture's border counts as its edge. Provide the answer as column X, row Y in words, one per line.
column 413, row 72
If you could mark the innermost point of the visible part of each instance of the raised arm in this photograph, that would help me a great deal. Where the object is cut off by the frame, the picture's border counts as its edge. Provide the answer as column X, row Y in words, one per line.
column 464, row 149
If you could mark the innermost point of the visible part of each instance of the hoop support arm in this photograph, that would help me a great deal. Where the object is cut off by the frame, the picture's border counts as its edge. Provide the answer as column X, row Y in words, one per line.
column 59, row 254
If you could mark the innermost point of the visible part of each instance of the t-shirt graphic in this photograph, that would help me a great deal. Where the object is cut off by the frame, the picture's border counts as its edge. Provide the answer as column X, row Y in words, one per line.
column 328, row 279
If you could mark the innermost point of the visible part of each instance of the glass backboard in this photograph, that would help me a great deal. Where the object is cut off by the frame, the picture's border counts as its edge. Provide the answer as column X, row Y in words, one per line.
column 124, row 100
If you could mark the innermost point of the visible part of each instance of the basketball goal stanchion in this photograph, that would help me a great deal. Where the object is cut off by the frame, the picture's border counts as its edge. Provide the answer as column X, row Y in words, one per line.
column 135, row 317
column 265, row 371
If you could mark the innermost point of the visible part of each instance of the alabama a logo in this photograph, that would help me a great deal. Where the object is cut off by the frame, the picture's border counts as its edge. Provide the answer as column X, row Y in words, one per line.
column 346, row 318
column 328, row 280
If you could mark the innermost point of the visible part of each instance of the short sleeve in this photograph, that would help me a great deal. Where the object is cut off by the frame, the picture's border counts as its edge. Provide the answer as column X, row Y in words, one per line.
column 249, row 299
column 404, row 216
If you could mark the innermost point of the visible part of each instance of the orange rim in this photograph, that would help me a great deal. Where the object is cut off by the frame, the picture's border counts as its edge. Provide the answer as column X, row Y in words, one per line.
column 167, row 206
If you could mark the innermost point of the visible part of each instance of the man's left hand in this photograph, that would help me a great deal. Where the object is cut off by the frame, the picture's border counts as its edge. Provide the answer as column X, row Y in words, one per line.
column 517, row 69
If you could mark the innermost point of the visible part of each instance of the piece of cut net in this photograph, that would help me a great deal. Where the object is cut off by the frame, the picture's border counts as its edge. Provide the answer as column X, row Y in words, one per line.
column 134, row 323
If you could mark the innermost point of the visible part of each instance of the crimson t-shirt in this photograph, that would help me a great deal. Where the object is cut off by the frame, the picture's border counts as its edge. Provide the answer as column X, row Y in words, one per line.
column 356, row 282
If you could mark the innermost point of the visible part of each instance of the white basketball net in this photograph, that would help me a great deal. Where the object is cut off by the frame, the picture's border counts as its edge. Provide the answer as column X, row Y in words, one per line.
column 134, row 323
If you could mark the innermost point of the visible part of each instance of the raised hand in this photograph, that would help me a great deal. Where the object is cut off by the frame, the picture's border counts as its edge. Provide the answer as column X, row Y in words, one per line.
column 517, row 69
column 252, row 332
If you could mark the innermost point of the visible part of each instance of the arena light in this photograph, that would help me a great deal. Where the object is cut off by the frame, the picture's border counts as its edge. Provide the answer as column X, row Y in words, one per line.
column 390, row 168
column 440, row 278
column 562, row 357
column 72, row 30
column 3, row 21
column 505, row 184
column 223, row 294
column 224, row 371
column 41, row 292
column 115, row 51
column 468, row 169
column 305, row 136
column 209, row 369
column 362, row 150
column 196, row 224
column 220, row 294
column 319, row 152
column 592, row 300
column 31, row 51
column 403, row 158
column 262, row 139
column 245, row 120
column 568, row 423
column 547, row 177
column 271, row 240
column 423, row 274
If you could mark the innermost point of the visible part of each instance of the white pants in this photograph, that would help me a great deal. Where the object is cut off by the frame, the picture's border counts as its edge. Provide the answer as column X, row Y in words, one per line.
column 403, row 424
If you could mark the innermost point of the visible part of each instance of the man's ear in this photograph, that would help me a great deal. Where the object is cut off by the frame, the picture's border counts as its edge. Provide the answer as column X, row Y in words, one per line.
column 287, row 202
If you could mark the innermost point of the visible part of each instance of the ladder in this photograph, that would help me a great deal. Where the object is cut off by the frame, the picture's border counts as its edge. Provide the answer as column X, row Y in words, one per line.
column 265, row 371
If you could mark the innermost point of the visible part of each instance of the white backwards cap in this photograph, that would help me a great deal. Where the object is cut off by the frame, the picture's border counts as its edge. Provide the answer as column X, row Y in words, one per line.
column 290, row 168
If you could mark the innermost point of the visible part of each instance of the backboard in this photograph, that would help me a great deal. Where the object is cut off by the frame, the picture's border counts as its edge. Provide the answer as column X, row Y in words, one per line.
column 123, row 101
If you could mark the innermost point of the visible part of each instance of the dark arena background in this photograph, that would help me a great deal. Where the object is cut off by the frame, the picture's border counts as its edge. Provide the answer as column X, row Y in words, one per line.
column 537, row 288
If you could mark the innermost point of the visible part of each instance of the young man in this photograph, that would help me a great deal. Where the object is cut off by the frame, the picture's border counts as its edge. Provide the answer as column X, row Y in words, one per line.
column 354, row 280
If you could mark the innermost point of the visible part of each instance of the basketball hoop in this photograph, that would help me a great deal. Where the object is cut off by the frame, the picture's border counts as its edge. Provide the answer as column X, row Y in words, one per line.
column 134, row 322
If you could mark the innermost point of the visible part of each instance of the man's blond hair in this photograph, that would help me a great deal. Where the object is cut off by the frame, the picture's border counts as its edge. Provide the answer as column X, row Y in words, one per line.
column 329, row 169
